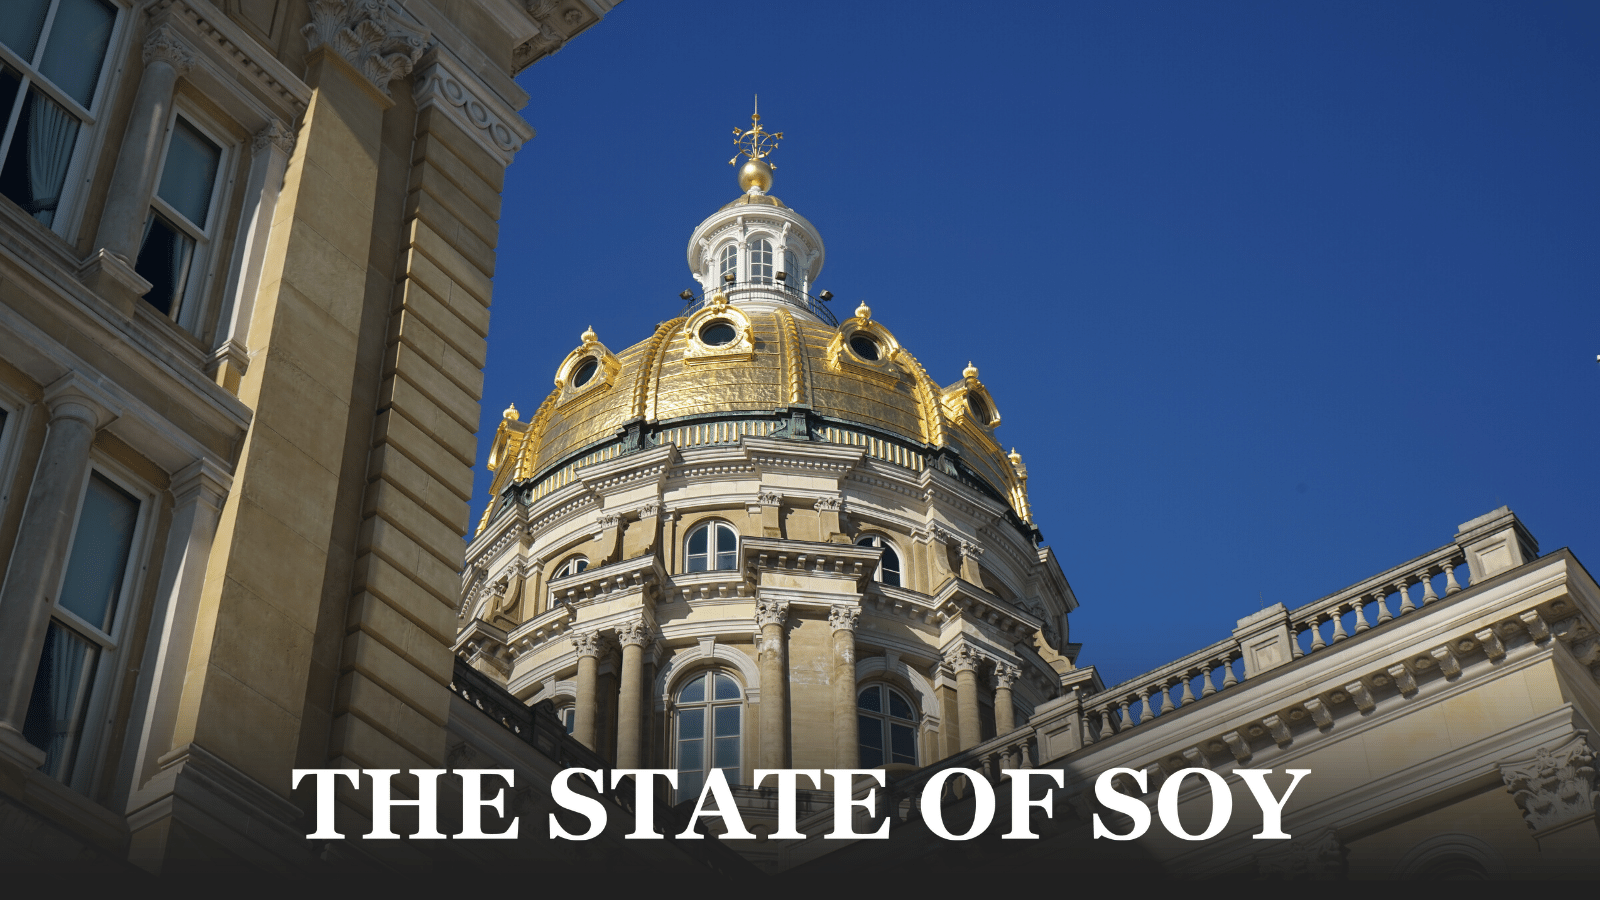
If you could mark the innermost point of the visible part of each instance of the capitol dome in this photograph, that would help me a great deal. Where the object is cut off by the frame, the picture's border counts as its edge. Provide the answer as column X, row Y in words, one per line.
column 761, row 536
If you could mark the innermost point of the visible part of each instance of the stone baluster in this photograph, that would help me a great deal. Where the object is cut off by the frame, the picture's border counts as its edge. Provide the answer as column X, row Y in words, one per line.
column 1127, row 717
column 1403, row 586
column 1360, row 607
column 1428, row 596
column 1317, row 643
column 587, row 644
column 1229, row 679
column 1205, row 680
column 1145, row 713
column 1294, row 640
column 1450, row 585
column 1188, row 694
column 1165, row 690
column 1338, row 624
column 1383, row 606
column 772, row 617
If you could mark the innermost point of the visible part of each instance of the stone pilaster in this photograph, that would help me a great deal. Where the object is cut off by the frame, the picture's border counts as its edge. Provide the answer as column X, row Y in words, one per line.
column 77, row 410
column 166, row 59
column 1555, row 789
column 269, row 160
column 772, row 618
column 847, row 740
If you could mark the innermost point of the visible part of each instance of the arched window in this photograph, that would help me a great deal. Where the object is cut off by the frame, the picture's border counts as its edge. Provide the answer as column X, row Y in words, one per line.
column 712, row 546
column 888, row 725
column 889, row 569
column 568, row 715
column 571, row 567
column 707, row 715
column 730, row 262
column 761, row 261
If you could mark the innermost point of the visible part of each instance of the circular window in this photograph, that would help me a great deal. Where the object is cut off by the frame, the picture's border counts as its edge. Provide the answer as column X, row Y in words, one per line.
column 585, row 372
column 864, row 347
column 980, row 410
column 718, row 334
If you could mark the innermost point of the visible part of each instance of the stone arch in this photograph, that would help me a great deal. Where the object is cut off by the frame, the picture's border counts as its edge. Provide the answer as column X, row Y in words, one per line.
column 707, row 653
column 1442, row 850
column 874, row 668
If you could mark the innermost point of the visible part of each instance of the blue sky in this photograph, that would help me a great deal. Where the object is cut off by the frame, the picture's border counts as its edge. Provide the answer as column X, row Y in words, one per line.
column 1271, row 297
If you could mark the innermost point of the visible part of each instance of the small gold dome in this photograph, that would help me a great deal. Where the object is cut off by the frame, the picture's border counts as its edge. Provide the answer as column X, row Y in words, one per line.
column 864, row 313
column 511, row 413
column 588, row 336
column 755, row 174
column 971, row 371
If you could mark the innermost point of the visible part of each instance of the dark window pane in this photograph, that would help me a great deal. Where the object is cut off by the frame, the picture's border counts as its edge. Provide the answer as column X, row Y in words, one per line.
column 584, row 373
column 732, row 775
column 902, row 744
column 694, row 691
column 697, row 541
column 689, row 784
column 77, row 47
column 164, row 262
column 189, row 173
column 899, row 708
column 718, row 334
column 697, row 563
column 871, row 741
column 19, row 27
column 60, row 692
column 727, row 688
column 36, row 163
column 689, row 756
column 869, row 699
column 99, row 552
column 891, row 566
column 727, row 540
column 726, row 562
column 864, row 347
column 726, row 754
column 569, row 718
column 727, row 721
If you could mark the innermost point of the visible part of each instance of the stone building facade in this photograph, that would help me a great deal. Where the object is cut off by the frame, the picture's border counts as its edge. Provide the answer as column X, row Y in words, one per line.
column 246, row 250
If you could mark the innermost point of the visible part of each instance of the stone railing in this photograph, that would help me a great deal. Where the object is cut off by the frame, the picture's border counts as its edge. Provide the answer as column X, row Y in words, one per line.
column 1275, row 636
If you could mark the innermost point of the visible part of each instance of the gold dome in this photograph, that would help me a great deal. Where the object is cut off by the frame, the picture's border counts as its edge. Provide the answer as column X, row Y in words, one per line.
column 688, row 393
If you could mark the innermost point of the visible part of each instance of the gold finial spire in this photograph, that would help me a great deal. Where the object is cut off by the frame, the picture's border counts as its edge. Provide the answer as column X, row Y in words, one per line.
column 757, row 144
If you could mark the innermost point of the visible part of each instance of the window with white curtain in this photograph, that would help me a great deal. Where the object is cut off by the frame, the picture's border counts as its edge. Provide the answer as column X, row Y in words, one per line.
column 178, row 231
column 51, row 56
column 74, row 671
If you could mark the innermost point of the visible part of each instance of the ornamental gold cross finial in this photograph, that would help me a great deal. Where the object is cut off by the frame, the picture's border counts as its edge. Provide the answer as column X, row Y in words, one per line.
column 753, row 141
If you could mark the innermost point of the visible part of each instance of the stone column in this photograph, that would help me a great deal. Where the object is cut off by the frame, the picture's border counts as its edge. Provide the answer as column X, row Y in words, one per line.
column 166, row 59
column 964, row 660
column 198, row 492
column 583, row 718
column 630, row 700
column 847, row 742
column 77, row 411
column 771, row 618
column 1005, row 718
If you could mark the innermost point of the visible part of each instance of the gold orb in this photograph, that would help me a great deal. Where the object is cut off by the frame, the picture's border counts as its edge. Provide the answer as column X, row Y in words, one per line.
column 755, row 174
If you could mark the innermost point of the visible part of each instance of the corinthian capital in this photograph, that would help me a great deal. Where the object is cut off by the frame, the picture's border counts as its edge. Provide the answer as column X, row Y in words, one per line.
column 1556, row 785
column 1005, row 676
column 843, row 618
column 962, row 658
column 165, row 45
column 367, row 36
column 587, row 643
column 634, row 634
column 771, row 612
column 276, row 134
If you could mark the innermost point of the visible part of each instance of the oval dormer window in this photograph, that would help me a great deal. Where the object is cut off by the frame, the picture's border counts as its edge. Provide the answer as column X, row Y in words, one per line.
column 585, row 372
column 980, row 409
column 865, row 347
column 718, row 334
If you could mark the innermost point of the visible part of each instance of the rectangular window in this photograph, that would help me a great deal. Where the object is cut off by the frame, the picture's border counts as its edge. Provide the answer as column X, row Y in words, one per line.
column 51, row 56
column 83, row 620
column 179, row 229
